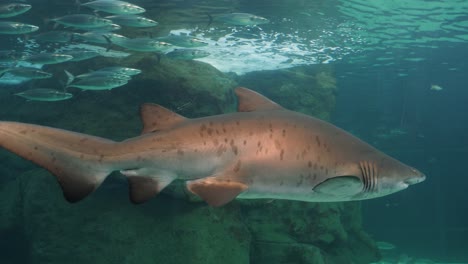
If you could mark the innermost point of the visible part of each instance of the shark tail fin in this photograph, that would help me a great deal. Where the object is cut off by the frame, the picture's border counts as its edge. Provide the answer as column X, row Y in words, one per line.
column 70, row 77
column 77, row 160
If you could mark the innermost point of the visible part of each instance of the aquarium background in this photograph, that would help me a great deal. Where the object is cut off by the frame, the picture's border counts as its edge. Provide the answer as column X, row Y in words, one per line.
column 367, row 66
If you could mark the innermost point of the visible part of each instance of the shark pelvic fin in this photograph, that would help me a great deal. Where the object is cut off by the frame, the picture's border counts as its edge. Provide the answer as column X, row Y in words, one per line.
column 157, row 118
column 249, row 101
column 216, row 192
column 143, row 188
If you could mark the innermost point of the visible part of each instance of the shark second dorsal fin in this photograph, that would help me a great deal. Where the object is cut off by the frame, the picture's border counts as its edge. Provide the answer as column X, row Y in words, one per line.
column 249, row 101
column 157, row 118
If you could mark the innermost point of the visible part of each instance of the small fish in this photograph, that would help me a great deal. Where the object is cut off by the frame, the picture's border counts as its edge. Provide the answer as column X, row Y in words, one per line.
column 4, row 69
column 29, row 72
column 382, row 245
column 183, row 41
column 48, row 58
column 143, row 44
column 13, row 9
column 240, row 19
column 10, row 56
column 106, row 28
column 82, row 21
column 97, row 37
column 14, row 28
column 121, row 70
column 45, row 95
column 435, row 87
column 95, row 83
column 115, row 7
column 58, row 36
column 132, row 21
column 95, row 74
column 80, row 55
column 187, row 54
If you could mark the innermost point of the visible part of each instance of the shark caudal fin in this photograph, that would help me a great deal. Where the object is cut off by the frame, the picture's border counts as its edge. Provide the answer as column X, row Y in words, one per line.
column 77, row 160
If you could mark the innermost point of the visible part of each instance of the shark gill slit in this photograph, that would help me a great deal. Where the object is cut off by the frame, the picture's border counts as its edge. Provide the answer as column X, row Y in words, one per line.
column 369, row 176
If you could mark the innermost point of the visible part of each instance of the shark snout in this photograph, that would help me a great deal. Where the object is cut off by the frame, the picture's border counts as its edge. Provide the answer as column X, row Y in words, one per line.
column 416, row 178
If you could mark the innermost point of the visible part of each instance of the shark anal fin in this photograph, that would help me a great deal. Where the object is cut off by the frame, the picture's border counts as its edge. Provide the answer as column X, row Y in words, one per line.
column 216, row 192
column 249, row 101
column 157, row 118
column 142, row 188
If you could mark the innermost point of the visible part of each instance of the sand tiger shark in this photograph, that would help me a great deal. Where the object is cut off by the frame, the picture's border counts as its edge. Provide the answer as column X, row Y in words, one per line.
column 261, row 151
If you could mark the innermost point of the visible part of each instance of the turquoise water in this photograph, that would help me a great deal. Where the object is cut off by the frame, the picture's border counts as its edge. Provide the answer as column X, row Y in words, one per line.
column 392, row 73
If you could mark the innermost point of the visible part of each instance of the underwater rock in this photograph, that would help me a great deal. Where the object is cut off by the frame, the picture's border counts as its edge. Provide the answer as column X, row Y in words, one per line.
column 307, row 89
column 333, row 228
column 10, row 209
column 107, row 228
column 269, row 252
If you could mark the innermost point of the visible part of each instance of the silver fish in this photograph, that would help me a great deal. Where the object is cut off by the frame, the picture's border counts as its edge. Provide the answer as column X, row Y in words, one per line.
column 99, row 83
column 58, row 36
column 97, row 37
column 10, row 56
column 30, row 73
column 44, row 94
column 48, row 58
column 95, row 82
column 13, row 9
column 382, row 245
column 183, row 41
column 143, row 44
column 132, row 21
column 114, row 7
column 14, row 28
column 82, row 21
column 261, row 152
column 121, row 70
column 80, row 55
column 240, row 19
column 4, row 69
column 187, row 54
column 107, row 28
column 95, row 74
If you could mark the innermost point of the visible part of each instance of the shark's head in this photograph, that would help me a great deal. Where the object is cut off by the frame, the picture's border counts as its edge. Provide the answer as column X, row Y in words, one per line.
column 386, row 176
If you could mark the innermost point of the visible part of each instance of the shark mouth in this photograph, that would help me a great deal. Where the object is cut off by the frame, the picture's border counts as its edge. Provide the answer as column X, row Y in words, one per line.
column 369, row 176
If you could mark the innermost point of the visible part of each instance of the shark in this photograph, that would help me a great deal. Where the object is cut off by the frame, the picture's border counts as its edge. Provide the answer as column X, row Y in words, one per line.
column 262, row 151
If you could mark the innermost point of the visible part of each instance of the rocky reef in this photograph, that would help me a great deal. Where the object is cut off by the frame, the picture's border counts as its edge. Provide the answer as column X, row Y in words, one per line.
column 39, row 226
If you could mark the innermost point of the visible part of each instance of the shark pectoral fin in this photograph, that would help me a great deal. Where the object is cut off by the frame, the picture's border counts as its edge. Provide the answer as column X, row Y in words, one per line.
column 216, row 192
column 142, row 187
column 342, row 186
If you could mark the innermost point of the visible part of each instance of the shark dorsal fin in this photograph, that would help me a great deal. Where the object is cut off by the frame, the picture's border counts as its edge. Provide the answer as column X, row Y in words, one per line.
column 249, row 101
column 157, row 118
